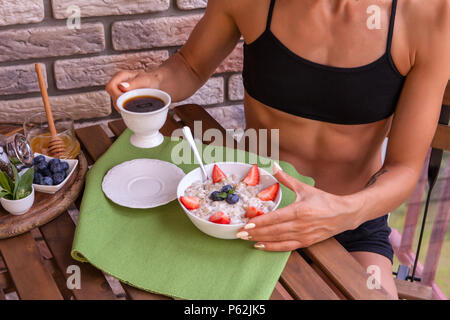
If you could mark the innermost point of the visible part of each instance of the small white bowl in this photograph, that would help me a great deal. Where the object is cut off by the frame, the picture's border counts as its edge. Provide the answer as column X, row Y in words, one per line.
column 52, row 189
column 223, row 231
column 145, row 125
column 18, row 207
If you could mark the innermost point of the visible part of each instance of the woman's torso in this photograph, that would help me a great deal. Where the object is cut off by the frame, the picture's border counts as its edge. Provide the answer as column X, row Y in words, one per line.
column 340, row 157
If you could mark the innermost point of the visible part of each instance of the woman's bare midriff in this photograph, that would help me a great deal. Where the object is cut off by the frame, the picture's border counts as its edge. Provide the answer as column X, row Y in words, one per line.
column 341, row 158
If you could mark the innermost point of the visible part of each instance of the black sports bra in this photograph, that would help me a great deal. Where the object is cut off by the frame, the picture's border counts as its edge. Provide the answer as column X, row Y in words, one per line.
column 279, row 78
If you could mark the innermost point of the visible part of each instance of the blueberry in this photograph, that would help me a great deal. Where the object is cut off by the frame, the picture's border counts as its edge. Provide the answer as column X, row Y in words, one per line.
column 41, row 165
column 47, row 181
column 55, row 167
column 64, row 165
column 215, row 196
column 38, row 159
column 45, row 172
column 58, row 177
column 232, row 198
column 37, row 178
column 54, row 160
column 226, row 188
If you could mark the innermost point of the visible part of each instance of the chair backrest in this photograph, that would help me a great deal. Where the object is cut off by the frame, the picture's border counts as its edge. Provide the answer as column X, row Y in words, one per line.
column 403, row 245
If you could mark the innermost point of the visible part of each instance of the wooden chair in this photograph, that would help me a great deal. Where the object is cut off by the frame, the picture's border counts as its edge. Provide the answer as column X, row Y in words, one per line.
column 410, row 286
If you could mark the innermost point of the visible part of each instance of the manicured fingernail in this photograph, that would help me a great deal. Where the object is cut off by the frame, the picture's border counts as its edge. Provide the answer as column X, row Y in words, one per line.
column 259, row 246
column 125, row 84
column 276, row 168
column 242, row 235
column 249, row 226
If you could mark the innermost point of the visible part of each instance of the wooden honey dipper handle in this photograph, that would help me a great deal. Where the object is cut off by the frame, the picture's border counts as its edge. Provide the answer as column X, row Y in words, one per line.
column 45, row 100
column 56, row 146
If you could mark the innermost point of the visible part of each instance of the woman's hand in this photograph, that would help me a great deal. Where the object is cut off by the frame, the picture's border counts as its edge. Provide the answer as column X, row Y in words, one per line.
column 314, row 216
column 124, row 81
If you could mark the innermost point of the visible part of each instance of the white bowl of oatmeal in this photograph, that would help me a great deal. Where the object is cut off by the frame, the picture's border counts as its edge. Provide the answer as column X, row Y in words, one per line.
column 235, row 213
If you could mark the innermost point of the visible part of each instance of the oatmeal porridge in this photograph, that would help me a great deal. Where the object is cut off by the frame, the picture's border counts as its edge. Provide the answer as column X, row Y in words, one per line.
column 229, row 199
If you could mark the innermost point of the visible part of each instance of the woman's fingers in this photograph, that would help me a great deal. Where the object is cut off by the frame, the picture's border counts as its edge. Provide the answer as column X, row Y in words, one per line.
column 276, row 217
column 114, row 88
column 278, row 232
column 141, row 80
column 295, row 185
column 278, row 246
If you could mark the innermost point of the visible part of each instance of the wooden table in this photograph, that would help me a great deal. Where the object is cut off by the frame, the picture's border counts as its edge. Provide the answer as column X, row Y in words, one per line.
column 34, row 265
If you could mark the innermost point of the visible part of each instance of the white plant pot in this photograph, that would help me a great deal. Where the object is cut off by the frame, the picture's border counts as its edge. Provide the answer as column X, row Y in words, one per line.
column 18, row 207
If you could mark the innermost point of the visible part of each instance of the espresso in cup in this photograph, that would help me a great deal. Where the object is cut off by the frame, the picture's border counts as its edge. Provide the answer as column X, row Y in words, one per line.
column 143, row 104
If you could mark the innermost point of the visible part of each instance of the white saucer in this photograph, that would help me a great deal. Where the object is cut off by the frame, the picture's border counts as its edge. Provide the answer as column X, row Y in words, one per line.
column 142, row 183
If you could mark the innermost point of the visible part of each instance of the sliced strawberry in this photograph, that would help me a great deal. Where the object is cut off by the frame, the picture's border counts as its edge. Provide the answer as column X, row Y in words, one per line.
column 252, row 178
column 253, row 212
column 190, row 203
column 219, row 217
column 269, row 193
column 217, row 174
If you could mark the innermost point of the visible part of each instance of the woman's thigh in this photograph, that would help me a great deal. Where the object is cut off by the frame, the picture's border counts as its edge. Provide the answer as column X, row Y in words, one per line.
column 367, row 259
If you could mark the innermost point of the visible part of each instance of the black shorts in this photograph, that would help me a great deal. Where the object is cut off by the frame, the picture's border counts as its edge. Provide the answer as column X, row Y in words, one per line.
column 371, row 236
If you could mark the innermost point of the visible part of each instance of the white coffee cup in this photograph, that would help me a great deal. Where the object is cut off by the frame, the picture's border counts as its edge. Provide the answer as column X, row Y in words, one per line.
column 145, row 125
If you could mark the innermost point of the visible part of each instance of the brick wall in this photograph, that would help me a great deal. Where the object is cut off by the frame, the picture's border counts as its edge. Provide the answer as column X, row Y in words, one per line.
column 114, row 35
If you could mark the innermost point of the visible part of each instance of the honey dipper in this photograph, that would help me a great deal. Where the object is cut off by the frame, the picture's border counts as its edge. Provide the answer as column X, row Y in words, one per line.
column 56, row 147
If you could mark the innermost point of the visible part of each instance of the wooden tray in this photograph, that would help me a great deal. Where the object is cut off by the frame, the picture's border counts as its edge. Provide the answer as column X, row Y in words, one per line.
column 46, row 207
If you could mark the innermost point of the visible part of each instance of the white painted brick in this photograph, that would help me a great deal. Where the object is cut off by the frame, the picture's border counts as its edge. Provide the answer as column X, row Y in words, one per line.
column 212, row 92
column 80, row 106
column 93, row 8
column 21, row 12
column 150, row 33
column 95, row 71
column 19, row 79
column 51, row 41
column 235, row 87
column 191, row 4
column 229, row 117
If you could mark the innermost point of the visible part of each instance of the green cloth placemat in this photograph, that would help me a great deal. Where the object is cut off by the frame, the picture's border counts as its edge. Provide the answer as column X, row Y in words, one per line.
column 160, row 250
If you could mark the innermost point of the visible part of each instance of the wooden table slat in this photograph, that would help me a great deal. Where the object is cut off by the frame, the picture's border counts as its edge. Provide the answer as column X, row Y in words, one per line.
column 345, row 272
column 303, row 282
column 190, row 113
column 413, row 290
column 137, row 294
column 280, row 293
column 32, row 280
column 6, row 282
column 94, row 140
column 59, row 236
column 446, row 100
column 441, row 138
column 117, row 127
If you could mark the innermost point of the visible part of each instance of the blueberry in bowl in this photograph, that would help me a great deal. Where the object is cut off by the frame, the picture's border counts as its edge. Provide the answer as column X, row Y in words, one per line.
column 51, row 174
column 58, row 177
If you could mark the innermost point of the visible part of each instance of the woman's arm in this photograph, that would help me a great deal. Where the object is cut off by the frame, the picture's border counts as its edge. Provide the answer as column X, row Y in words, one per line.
column 317, row 215
column 212, row 39
column 414, row 123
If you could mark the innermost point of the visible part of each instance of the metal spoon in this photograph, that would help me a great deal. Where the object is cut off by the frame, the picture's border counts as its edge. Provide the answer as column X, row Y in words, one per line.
column 190, row 139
